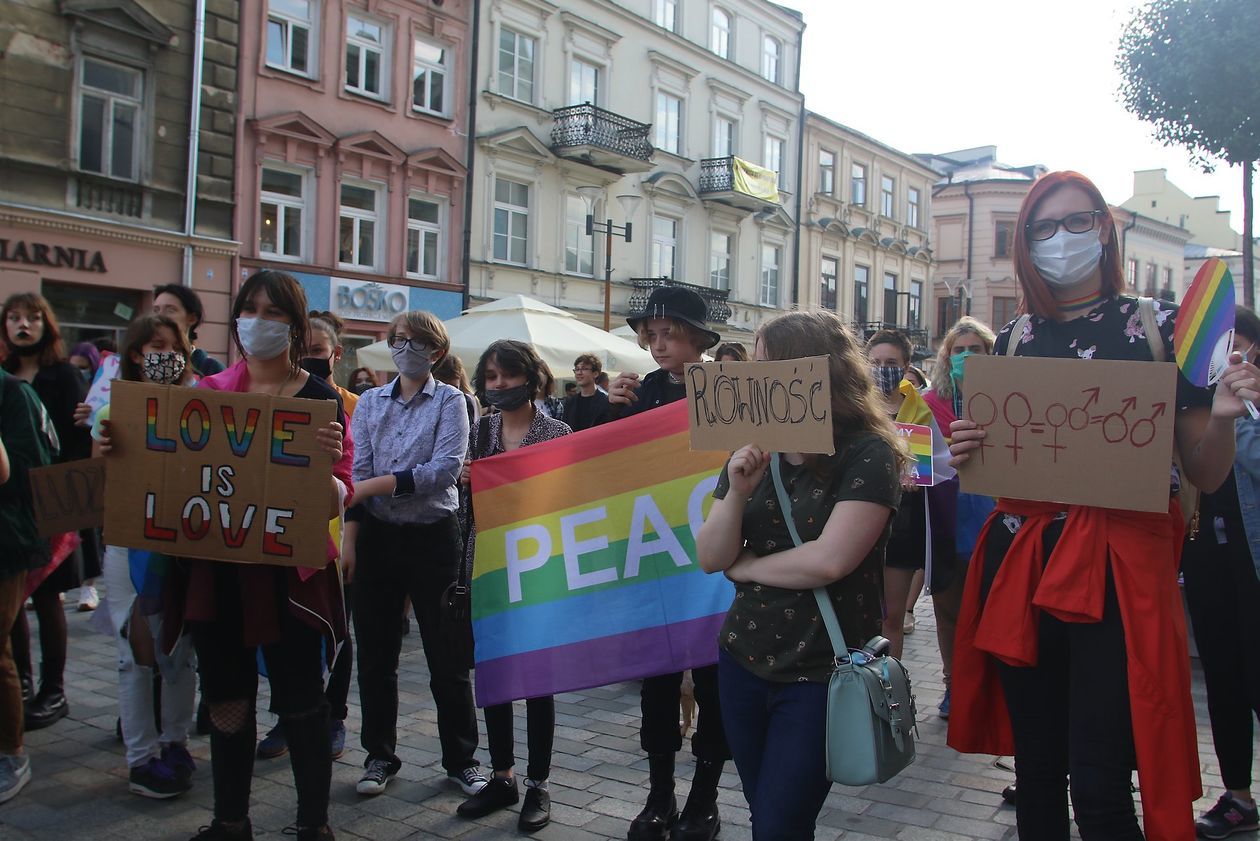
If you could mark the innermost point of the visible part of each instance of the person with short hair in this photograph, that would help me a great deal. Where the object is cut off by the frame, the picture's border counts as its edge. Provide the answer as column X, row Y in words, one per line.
column 183, row 306
column 412, row 436
column 588, row 407
column 730, row 352
column 672, row 326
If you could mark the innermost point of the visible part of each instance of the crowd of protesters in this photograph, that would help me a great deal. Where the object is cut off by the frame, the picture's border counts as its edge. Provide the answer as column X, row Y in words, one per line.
column 1059, row 627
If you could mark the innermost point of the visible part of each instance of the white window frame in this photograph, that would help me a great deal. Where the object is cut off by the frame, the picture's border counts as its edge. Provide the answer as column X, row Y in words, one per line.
column 665, row 14
column 774, row 150
column 359, row 216
column 283, row 205
column 288, row 21
column 826, row 172
column 517, row 79
column 364, row 46
column 888, row 196
column 661, row 242
column 663, row 136
column 833, row 276
column 772, row 59
column 854, row 168
column 576, row 98
column 577, row 242
column 716, row 257
column 424, row 230
column 913, row 198
column 731, row 141
column 112, row 100
column 914, row 304
column 721, row 28
column 768, row 289
column 430, row 68
column 515, row 213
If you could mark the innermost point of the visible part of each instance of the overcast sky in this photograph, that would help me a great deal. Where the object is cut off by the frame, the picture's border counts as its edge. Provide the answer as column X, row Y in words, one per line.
column 1036, row 79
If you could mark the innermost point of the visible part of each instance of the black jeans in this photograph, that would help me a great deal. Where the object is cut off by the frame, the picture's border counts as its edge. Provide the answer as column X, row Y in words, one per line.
column 1223, row 594
column 393, row 562
column 658, row 731
column 540, row 730
column 338, row 691
column 1070, row 718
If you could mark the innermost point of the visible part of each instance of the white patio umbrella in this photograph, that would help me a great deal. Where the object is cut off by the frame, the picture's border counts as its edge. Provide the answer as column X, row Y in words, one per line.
column 558, row 336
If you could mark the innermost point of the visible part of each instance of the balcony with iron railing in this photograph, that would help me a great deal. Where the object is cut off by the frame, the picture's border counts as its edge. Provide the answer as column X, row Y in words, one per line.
column 719, row 311
column 738, row 183
column 96, row 194
column 601, row 138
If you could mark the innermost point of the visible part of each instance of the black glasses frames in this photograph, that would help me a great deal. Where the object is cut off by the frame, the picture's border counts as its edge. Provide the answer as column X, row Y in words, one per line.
column 1073, row 223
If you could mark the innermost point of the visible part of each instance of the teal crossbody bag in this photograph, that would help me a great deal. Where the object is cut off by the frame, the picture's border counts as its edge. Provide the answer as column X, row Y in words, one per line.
column 870, row 708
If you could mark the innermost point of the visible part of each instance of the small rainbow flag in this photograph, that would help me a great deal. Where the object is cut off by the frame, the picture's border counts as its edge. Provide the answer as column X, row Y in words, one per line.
column 920, row 440
column 1205, row 317
column 585, row 570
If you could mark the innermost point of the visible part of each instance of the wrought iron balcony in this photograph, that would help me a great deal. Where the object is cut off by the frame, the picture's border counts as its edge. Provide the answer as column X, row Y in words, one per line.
column 738, row 183
column 917, row 335
column 719, row 311
column 104, row 195
column 601, row 138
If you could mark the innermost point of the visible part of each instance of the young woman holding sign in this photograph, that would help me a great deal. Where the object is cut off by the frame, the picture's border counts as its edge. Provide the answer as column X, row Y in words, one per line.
column 775, row 656
column 295, row 614
column 672, row 327
column 1071, row 620
column 154, row 350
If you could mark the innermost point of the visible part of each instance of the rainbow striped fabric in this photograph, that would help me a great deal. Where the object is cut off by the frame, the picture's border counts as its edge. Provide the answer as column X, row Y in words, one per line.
column 1206, row 315
column 585, row 570
column 920, row 440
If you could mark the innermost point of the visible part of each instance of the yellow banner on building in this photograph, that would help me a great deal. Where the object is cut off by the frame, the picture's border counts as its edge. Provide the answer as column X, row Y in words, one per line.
column 754, row 180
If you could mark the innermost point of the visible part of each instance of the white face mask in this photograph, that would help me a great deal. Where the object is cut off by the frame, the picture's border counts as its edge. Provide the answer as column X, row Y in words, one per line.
column 262, row 338
column 1067, row 258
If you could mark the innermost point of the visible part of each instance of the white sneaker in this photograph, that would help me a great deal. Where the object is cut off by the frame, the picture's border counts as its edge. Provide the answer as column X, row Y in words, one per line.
column 88, row 598
column 471, row 780
column 15, row 773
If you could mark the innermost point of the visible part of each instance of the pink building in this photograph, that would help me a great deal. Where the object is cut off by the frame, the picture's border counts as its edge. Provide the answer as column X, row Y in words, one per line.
column 351, row 150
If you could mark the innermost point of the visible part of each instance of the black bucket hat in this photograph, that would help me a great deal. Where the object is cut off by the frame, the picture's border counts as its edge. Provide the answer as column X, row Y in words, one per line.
column 680, row 304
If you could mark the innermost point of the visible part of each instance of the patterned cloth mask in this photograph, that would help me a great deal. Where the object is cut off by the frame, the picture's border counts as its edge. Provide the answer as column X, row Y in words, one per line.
column 164, row 367
column 887, row 377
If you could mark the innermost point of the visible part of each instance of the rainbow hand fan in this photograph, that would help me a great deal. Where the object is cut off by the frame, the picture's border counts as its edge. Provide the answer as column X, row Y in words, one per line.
column 1205, row 325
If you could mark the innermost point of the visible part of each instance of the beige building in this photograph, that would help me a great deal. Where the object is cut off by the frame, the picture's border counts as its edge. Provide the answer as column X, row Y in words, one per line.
column 865, row 231
column 1153, row 254
column 1157, row 197
column 649, row 110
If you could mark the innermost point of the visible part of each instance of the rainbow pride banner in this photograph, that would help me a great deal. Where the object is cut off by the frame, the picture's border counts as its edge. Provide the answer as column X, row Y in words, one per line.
column 585, row 570
column 1205, row 324
column 920, row 440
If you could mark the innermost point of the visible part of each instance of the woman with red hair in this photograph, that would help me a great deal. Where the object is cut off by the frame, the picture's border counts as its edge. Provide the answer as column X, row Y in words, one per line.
column 1071, row 648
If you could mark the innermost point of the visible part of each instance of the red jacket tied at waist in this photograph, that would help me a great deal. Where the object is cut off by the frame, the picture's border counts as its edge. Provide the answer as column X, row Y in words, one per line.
column 1144, row 551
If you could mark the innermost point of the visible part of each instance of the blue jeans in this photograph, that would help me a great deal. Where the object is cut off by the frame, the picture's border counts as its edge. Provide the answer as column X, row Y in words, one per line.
column 777, row 733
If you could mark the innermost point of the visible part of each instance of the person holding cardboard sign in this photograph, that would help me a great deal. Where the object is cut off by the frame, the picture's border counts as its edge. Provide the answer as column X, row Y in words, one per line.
column 774, row 655
column 295, row 614
column 672, row 327
column 1071, row 647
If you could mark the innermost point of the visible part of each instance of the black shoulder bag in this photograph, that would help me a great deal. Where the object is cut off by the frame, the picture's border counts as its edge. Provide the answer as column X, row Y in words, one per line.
column 456, row 604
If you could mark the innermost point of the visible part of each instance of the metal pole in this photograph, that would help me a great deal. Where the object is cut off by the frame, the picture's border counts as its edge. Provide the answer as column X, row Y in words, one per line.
column 608, row 275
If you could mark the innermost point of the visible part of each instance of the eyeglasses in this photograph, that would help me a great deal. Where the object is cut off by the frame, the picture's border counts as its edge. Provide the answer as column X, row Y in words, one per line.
column 400, row 342
column 1073, row 223
column 582, row 370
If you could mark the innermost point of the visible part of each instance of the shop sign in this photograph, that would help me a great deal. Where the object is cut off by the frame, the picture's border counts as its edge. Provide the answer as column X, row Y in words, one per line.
column 368, row 301
column 56, row 256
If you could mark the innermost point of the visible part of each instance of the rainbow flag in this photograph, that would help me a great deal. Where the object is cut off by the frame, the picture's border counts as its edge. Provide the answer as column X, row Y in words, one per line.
column 920, row 440
column 585, row 570
column 1205, row 317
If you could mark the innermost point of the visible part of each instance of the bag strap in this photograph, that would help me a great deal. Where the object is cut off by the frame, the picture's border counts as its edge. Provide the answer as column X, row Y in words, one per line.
column 1017, row 333
column 1146, row 309
column 825, row 608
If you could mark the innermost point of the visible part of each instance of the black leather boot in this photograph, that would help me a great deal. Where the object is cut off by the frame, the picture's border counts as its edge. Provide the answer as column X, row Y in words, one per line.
column 48, row 707
column 661, row 811
column 699, row 820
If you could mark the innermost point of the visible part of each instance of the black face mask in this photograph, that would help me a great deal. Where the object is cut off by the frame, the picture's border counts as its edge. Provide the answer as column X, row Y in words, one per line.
column 508, row 399
column 318, row 366
column 359, row 388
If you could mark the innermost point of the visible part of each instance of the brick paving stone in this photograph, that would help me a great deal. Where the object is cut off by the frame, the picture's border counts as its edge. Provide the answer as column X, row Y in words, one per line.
column 598, row 782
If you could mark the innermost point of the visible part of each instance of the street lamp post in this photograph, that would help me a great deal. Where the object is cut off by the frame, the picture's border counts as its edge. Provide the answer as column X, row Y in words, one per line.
column 629, row 203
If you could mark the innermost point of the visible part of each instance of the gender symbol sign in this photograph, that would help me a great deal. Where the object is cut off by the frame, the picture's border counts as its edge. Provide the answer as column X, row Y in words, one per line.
column 1081, row 432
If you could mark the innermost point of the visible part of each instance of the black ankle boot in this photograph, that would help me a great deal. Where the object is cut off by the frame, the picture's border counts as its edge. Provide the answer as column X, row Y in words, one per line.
column 699, row 820
column 661, row 811
column 47, row 708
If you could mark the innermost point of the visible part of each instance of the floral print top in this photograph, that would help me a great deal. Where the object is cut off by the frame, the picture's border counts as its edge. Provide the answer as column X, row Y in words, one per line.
column 778, row 634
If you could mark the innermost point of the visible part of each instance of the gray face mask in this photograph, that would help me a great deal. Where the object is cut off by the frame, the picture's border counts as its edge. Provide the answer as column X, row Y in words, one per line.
column 262, row 338
column 413, row 364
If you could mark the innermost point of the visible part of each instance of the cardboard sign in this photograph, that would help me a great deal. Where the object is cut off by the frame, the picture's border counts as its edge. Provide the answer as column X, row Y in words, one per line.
column 102, row 383
column 919, row 439
column 782, row 406
column 218, row 475
column 69, row 497
column 1082, row 432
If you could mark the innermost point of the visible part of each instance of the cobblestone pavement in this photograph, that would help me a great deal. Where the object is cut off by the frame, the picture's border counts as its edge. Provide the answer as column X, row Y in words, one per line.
column 598, row 784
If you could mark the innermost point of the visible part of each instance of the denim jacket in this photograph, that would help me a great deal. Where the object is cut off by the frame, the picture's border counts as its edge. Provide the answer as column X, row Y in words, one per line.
column 1247, row 475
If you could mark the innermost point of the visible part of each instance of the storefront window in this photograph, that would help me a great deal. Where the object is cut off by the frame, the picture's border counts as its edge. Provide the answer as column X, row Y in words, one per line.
column 85, row 313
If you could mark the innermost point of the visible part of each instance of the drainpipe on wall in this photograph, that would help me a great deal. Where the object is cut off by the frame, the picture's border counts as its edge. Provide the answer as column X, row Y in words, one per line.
column 962, row 286
column 1124, row 245
column 194, row 138
column 474, row 46
column 800, row 180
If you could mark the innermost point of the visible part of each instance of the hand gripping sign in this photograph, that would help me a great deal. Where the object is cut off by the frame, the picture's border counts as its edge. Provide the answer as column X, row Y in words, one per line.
column 218, row 475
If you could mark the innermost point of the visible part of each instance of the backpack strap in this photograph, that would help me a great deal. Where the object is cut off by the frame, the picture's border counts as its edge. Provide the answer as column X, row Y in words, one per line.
column 1017, row 333
column 1150, row 326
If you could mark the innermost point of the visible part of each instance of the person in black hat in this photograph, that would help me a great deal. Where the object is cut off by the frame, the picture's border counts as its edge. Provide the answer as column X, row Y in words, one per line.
column 672, row 327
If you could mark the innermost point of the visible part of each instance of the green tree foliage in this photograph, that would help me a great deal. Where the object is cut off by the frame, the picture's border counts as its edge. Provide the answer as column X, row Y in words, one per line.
column 1189, row 68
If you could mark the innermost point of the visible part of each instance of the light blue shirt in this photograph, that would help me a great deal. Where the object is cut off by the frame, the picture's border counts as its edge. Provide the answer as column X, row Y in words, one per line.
column 425, row 437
